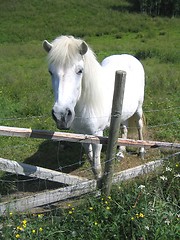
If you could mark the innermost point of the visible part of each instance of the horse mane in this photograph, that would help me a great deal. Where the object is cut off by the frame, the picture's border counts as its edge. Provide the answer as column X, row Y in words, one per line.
column 92, row 84
column 65, row 52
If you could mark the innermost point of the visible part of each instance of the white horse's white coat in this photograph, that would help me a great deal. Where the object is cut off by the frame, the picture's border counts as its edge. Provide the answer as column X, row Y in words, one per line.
column 83, row 90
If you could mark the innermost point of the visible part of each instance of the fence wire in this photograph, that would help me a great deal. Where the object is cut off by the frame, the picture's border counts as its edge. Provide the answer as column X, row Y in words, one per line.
column 15, row 179
column 47, row 116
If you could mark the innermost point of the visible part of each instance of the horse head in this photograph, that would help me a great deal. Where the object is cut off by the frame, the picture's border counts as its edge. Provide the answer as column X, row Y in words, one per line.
column 66, row 65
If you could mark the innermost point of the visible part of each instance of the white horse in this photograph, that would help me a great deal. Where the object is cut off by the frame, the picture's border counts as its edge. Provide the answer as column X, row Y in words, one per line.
column 83, row 91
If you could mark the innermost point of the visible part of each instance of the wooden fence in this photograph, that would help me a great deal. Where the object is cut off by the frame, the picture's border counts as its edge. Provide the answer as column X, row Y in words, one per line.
column 81, row 138
column 77, row 185
column 81, row 187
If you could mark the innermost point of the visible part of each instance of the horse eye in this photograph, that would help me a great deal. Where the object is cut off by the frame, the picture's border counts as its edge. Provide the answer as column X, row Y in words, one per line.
column 79, row 71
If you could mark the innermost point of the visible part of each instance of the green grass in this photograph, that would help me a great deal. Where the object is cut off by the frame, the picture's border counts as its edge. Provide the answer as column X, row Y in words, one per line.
column 26, row 99
column 135, row 210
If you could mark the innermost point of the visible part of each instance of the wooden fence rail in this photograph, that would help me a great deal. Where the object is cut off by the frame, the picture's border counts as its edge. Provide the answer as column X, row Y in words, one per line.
column 81, row 188
column 81, row 138
column 38, row 172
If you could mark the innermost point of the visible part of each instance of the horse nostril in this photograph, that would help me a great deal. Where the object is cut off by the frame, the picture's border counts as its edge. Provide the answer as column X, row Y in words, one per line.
column 69, row 113
column 62, row 117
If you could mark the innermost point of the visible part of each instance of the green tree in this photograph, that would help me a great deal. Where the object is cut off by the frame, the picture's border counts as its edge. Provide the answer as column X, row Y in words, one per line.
column 157, row 7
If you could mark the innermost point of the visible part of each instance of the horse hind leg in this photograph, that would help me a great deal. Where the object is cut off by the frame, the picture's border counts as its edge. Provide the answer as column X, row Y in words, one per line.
column 122, row 149
column 140, row 132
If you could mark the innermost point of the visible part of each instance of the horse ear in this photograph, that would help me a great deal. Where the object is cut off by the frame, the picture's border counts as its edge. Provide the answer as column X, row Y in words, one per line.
column 83, row 48
column 47, row 46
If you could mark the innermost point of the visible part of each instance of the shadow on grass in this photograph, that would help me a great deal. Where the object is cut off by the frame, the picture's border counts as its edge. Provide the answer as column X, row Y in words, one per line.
column 60, row 156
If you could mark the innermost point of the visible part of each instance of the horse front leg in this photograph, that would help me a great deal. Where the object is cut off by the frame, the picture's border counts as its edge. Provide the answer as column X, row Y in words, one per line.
column 96, row 164
column 89, row 151
column 93, row 152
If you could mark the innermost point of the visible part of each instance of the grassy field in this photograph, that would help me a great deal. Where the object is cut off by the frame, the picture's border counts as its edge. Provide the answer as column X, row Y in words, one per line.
column 26, row 99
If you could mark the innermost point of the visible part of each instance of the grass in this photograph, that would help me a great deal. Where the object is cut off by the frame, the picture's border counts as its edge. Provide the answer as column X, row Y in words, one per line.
column 135, row 210
column 26, row 98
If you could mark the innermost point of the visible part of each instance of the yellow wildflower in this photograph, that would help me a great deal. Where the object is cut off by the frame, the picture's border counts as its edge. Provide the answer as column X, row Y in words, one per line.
column 10, row 213
column 132, row 218
column 40, row 229
column 17, row 236
column 141, row 215
column 33, row 231
column 19, row 228
column 91, row 208
column 24, row 222
column 108, row 208
column 95, row 223
column 70, row 212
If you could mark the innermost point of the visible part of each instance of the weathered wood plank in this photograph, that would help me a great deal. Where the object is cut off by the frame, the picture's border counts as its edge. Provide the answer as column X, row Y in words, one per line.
column 82, row 138
column 60, row 194
column 137, row 171
column 114, row 128
column 47, row 197
column 38, row 172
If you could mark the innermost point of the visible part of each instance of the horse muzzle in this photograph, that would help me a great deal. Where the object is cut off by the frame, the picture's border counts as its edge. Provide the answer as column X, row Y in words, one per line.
column 63, row 119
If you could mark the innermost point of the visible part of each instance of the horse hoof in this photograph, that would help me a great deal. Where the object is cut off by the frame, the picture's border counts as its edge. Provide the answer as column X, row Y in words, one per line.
column 119, row 156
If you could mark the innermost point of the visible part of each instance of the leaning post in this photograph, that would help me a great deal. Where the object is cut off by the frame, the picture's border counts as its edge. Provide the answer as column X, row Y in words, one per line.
column 116, row 113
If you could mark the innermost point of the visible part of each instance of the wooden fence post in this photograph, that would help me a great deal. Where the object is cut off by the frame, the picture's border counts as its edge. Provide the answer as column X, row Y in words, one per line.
column 113, row 131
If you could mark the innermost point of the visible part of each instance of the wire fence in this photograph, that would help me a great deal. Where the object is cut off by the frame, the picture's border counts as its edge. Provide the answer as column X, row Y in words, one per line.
column 14, row 179
column 177, row 108
column 19, row 145
column 86, row 186
column 47, row 116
